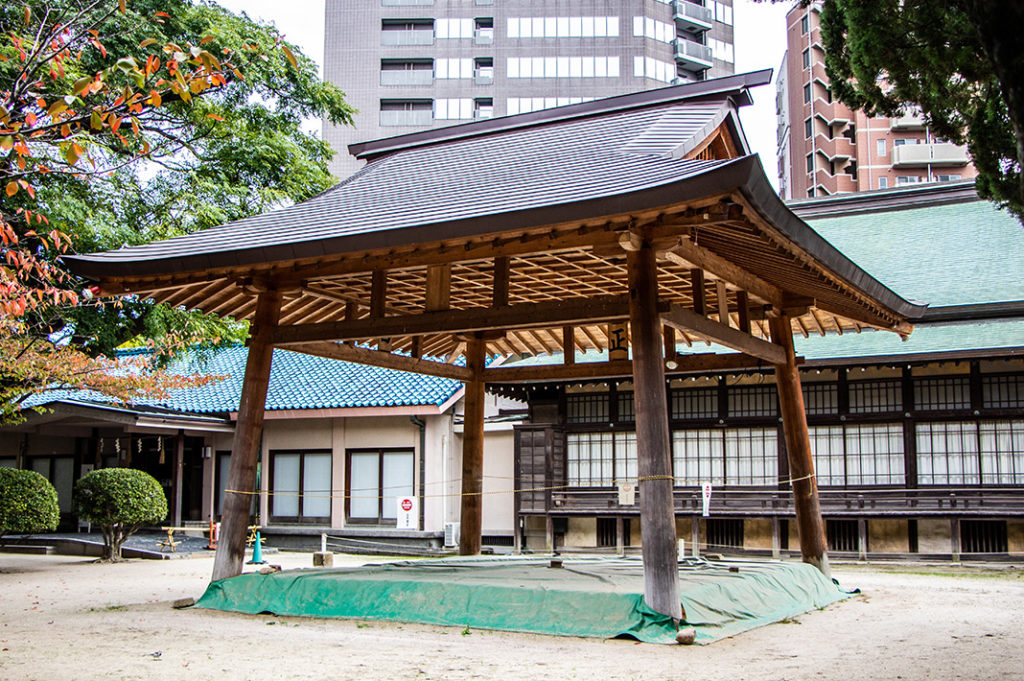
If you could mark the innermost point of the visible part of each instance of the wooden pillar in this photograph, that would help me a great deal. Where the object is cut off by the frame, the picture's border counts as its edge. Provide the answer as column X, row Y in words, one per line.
column 620, row 536
column 473, row 449
column 654, row 458
column 862, row 539
column 954, row 539
column 246, row 444
column 695, row 536
column 776, row 539
column 177, row 476
column 809, row 524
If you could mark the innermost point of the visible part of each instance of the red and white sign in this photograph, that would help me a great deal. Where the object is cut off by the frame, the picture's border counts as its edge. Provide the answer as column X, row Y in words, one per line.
column 408, row 513
column 707, row 499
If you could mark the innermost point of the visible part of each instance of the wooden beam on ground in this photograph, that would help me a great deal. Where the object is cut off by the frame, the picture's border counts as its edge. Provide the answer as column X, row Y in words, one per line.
column 581, row 371
column 377, row 358
column 689, row 254
column 687, row 320
column 653, row 440
column 573, row 311
column 245, row 448
column 473, row 450
column 807, row 505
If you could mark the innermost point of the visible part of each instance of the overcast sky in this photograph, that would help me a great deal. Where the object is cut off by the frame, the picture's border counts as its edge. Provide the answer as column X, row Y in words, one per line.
column 760, row 42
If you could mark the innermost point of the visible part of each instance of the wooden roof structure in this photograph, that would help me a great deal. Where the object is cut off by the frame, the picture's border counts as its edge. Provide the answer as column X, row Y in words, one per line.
column 637, row 223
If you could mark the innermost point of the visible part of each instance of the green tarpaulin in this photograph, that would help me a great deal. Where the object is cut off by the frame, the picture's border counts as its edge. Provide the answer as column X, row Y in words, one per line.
column 592, row 597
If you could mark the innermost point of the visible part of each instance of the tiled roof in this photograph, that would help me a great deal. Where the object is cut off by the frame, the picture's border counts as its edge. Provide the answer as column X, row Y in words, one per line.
column 297, row 381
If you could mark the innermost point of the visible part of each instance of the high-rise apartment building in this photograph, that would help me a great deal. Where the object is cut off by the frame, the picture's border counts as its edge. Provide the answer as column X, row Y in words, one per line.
column 825, row 148
column 408, row 65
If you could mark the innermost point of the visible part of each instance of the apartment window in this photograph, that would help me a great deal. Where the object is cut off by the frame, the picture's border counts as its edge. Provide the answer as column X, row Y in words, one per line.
column 648, row 67
column 805, row 23
column 407, row 32
column 857, row 456
column 647, row 27
column 406, row 112
column 518, row 105
column 723, row 12
column 808, row 128
column 445, row 69
column 807, row 93
column 563, row 27
column 377, row 478
column 483, row 31
column 721, row 49
column 406, row 72
column 300, row 485
column 483, row 107
column 600, row 459
column 730, row 456
column 880, row 147
column 810, row 168
column 904, row 142
column 453, row 109
column 907, row 179
column 447, row 29
column 883, row 183
column 807, row 58
column 947, row 178
column 563, row 67
column 483, row 70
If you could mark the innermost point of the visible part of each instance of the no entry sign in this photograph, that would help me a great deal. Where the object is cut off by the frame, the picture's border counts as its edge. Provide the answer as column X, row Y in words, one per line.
column 408, row 513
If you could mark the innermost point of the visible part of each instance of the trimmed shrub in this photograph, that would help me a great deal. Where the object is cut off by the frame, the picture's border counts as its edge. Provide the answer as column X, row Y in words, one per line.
column 120, row 501
column 28, row 502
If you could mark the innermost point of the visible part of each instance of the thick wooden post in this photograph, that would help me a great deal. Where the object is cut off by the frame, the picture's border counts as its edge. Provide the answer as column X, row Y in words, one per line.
column 654, row 458
column 473, row 449
column 246, row 444
column 809, row 524
column 177, row 478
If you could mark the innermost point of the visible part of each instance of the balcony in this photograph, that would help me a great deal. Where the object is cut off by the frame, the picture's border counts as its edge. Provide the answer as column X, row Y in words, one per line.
column 407, row 77
column 833, row 113
column 919, row 155
column 484, row 76
column 910, row 121
column 407, row 118
column 407, row 37
column 693, row 17
column 483, row 35
column 403, row 3
column 837, row 149
column 693, row 56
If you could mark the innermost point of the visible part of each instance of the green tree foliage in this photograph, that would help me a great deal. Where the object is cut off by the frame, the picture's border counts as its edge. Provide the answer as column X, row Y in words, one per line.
column 124, row 121
column 120, row 501
column 28, row 502
column 960, row 61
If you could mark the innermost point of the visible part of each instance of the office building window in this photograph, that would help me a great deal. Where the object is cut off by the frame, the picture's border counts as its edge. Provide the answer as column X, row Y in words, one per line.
column 654, row 29
column 377, row 478
column 648, row 67
column 453, row 68
column 453, row 109
column 300, row 485
column 600, row 459
column 563, row 67
column 518, row 105
column 562, row 27
column 454, row 28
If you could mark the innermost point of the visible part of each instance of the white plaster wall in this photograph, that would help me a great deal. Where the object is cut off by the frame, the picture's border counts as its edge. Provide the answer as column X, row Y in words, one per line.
column 442, row 474
column 499, row 481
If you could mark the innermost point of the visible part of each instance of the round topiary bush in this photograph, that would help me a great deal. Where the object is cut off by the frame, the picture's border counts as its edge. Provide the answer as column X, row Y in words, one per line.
column 120, row 501
column 28, row 502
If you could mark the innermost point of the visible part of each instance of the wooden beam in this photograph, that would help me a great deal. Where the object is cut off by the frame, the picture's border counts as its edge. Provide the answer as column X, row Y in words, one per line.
column 471, row 514
column 378, row 294
column 246, row 445
column 810, row 526
column 697, row 290
column 689, row 321
column 499, row 292
column 573, row 311
column 377, row 358
column 721, row 293
column 439, row 284
column 685, row 364
column 653, row 440
column 689, row 254
column 743, row 310
column 569, row 345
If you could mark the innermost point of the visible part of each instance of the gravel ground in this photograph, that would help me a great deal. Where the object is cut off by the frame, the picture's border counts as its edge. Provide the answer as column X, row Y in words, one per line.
column 65, row 617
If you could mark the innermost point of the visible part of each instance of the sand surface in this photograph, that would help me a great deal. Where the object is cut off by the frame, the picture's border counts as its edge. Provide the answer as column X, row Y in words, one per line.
column 64, row 618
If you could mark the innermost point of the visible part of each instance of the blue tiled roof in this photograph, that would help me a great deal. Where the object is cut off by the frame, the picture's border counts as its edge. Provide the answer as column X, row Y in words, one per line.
column 297, row 381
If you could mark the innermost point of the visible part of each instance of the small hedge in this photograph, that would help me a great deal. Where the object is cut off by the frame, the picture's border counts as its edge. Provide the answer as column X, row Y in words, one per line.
column 28, row 502
column 120, row 501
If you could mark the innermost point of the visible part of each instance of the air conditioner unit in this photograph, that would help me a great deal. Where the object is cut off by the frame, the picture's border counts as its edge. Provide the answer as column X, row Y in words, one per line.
column 451, row 534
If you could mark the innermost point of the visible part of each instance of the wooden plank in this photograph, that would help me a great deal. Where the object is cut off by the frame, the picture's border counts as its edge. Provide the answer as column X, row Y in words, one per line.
column 687, row 253
column 246, row 445
column 806, row 503
column 685, row 364
column 687, row 320
column 439, row 283
column 377, row 358
column 653, row 440
column 471, row 512
column 522, row 316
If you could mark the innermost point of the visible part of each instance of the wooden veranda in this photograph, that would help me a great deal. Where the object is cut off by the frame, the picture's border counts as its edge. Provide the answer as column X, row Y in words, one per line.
column 638, row 225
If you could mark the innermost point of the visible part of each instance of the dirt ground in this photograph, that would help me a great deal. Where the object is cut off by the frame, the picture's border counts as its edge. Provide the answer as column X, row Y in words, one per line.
column 70, row 618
